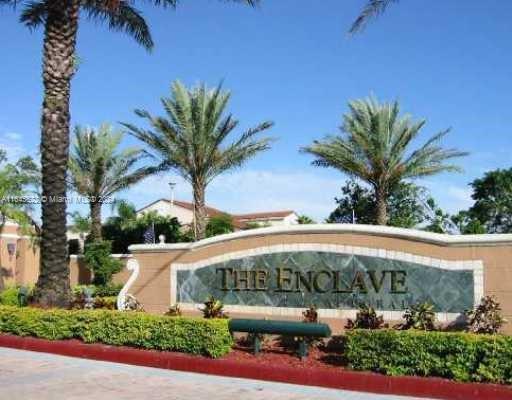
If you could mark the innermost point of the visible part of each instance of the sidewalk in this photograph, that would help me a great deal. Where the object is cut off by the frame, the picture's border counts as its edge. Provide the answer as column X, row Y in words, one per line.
column 29, row 375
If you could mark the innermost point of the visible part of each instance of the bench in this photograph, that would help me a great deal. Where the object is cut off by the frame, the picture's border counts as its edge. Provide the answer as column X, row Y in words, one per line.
column 302, row 330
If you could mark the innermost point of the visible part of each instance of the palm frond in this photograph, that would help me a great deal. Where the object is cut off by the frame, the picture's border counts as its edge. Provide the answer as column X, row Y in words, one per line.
column 123, row 17
column 34, row 13
column 372, row 9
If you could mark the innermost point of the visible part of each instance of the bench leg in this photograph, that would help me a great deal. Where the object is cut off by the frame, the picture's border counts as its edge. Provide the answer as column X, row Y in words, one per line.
column 256, row 344
column 303, row 348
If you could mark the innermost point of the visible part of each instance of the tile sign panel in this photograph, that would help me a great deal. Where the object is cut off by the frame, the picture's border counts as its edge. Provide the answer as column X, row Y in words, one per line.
column 328, row 280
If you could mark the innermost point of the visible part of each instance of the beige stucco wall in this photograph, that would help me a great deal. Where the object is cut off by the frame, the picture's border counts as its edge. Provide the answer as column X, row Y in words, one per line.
column 153, row 286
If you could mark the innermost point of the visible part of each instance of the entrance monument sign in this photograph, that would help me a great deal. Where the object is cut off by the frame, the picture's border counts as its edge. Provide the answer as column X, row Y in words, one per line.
column 276, row 272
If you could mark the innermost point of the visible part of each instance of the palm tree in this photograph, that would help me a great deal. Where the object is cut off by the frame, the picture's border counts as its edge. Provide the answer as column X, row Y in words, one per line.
column 375, row 147
column 189, row 140
column 98, row 169
column 372, row 9
column 60, row 20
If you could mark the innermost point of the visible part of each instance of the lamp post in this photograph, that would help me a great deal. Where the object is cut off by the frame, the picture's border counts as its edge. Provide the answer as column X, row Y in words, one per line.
column 172, row 185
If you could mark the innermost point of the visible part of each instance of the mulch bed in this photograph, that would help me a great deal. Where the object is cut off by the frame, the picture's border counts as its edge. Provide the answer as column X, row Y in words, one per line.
column 319, row 358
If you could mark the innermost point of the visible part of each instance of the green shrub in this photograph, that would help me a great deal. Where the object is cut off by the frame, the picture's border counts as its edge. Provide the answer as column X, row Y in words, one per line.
column 459, row 356
column 99, row 260
column 219, row 225
column 9, row 296
column 109, row 290
column 182, row 334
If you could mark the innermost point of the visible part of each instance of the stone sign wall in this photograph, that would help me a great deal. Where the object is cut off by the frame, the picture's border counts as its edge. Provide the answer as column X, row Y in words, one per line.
column 277, row 272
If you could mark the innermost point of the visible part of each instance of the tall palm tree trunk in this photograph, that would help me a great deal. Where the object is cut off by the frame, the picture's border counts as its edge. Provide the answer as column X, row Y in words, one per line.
column 381, row 205
column 61, row 25
column 199, row 211
column 95, row 207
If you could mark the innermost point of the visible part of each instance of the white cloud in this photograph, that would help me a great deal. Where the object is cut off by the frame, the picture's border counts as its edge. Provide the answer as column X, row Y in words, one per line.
column 12, row 136
column 306, row 192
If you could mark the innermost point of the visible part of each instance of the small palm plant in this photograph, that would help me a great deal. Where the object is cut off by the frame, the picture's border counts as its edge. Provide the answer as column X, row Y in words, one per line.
column 375, row 147
column 213, row 308
column 420, row 316
column 190, row 140
column 98, row 169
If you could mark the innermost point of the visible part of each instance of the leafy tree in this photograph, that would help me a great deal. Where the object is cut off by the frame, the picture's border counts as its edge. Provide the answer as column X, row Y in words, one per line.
column 305, row 220
column 17, row 181
column 219, row 225
column 405, row 207
column 438, row 220
column 493, row 201
column 467, row 224
column 60, row 21
column 126, row 228
column 98, row 169
column 189, row 140
column 375, row 147
column 99, row 260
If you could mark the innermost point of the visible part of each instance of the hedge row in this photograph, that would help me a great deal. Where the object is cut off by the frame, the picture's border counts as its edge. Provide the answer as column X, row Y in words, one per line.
column 188, row 335
column 459, row 356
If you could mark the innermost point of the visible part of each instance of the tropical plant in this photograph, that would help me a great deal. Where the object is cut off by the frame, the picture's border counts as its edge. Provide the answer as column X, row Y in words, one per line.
column 189, row 140
column 305, row 220
column 98, row 169
column 366, row 318
column 374, row 147
column 219, row 225
column 60, row 62
column 420, row 316
column 486, row 317
column 99, row 260
column 213, row 308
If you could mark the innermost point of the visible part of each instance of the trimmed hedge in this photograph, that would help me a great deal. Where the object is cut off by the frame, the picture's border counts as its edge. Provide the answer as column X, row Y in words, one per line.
column 459, row 356
column 187, row 335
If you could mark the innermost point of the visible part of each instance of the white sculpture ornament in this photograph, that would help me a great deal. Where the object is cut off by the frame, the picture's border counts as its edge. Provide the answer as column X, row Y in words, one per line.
column 131, row 265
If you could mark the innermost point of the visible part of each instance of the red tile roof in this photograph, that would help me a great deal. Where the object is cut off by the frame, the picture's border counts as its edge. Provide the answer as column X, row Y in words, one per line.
column 239, row 220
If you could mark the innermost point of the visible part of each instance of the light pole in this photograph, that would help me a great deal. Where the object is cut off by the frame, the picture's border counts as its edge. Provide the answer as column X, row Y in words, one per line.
column 172, row 185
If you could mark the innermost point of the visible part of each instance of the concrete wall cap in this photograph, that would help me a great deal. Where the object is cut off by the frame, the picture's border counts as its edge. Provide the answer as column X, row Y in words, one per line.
column 372, row 230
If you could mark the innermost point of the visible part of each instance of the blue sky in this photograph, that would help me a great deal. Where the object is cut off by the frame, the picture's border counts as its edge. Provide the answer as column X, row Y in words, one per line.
column 292, row 62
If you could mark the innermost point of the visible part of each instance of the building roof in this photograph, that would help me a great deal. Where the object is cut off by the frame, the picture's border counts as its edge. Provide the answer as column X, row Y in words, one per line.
column 239, row 220
column 264, row 215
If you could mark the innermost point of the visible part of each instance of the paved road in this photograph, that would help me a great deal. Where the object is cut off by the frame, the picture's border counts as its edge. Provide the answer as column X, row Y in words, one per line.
column 26, row 375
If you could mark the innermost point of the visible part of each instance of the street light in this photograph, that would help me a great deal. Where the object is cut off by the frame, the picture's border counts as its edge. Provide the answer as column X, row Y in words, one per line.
column 172, row 185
